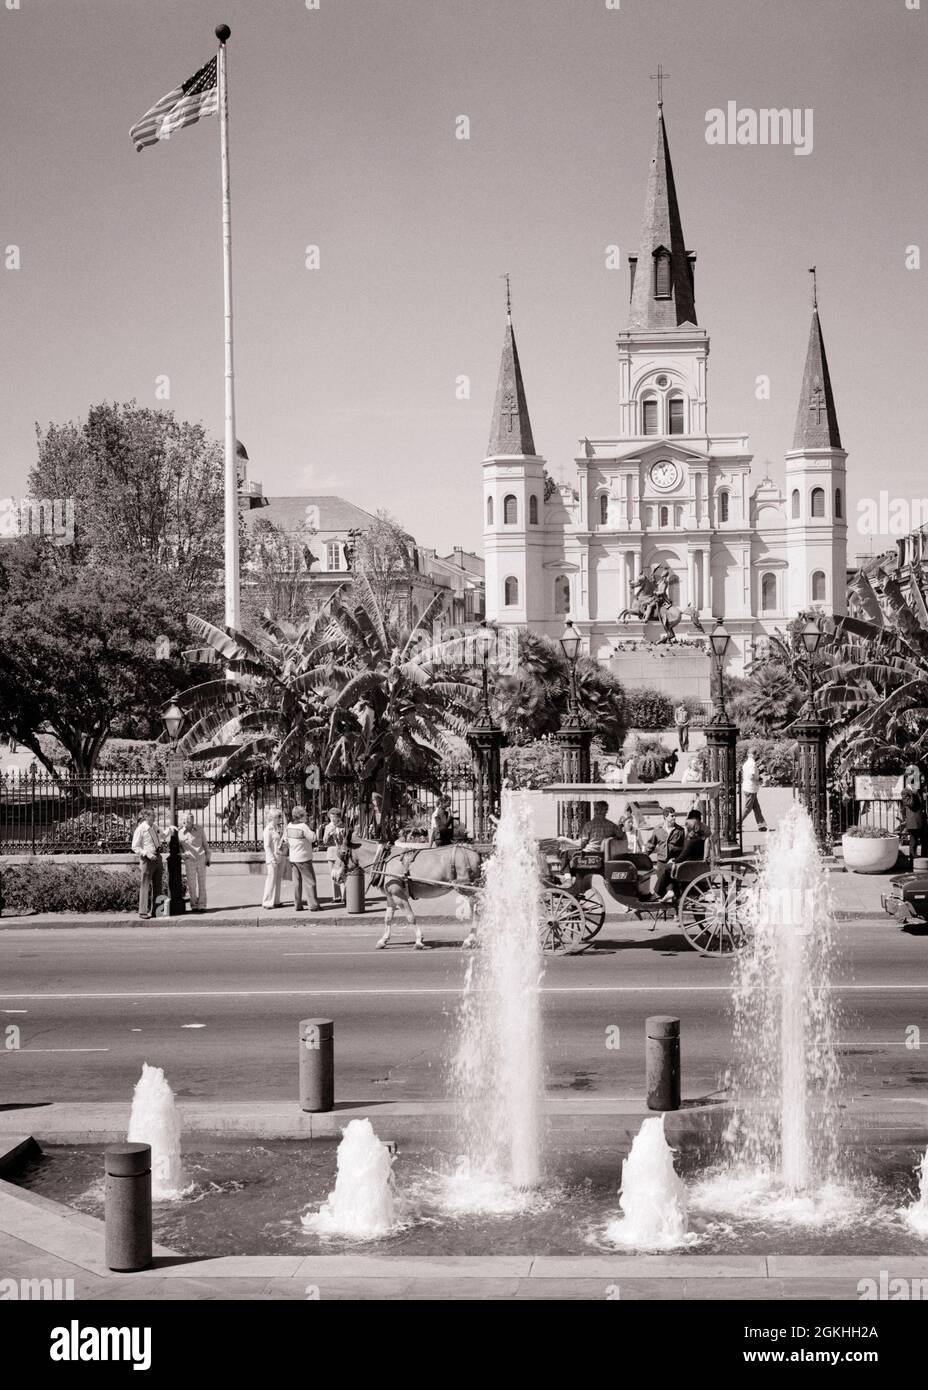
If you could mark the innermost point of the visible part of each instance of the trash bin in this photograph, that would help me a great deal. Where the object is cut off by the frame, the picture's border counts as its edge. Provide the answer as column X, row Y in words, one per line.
column 354, row 890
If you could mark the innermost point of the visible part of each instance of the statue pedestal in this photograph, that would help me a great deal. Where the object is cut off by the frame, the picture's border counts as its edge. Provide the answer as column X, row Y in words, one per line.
column 674, row 669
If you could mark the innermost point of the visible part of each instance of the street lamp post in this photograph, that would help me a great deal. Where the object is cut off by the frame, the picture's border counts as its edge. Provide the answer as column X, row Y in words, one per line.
column 721, row 744
column 812, row 736
column 173, row 718
column 574, row 738
column 485, row 739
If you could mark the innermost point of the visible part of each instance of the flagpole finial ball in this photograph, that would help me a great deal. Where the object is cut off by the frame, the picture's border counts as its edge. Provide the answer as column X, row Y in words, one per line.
column 223, row 32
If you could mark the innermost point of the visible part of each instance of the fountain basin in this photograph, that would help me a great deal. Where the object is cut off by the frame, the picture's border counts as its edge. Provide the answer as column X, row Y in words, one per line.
column 248, row 1198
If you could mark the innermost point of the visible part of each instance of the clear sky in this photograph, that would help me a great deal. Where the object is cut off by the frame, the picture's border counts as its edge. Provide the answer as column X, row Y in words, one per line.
column 343, row 122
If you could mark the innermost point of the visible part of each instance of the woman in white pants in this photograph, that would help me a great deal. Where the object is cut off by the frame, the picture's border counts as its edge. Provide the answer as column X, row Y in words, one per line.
column 274, row 858
column 195, row 850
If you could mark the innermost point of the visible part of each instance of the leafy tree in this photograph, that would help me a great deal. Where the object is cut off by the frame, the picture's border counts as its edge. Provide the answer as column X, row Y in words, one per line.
column 534, row 701
column 365, row 697
column 384, row 562
column 877, row 694
column 276, row 574
column 80, row 648
column 146, row 487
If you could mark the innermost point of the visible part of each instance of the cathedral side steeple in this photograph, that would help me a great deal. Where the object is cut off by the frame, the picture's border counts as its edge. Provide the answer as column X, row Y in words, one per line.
column 511, row 430
column 816, row 419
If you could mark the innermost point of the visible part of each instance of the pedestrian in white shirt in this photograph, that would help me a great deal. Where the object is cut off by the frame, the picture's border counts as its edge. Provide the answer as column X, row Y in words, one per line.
column 146, row 843
column 750, row 783
column 275, row 858
column 197, row 858
column 300, row 841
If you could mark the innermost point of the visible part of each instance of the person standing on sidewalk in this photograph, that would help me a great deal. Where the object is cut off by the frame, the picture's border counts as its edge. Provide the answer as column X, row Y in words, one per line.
column 681, row 717
column 275, row 858
column 301, row 839
column 750, row 784
column 146, row 843
column 197, row 859
column 333, row 839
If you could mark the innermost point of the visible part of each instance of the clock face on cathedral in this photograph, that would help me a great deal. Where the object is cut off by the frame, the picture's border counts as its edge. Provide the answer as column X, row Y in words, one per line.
column 664, row 475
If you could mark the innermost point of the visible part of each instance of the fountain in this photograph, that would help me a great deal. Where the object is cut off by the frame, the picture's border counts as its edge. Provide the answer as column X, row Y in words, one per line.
column 786, row 1073
column 783, row 1139
column 653, row 1195
column 916, row 1215
column 154, row 1120
column 497, row 1071
column 364, row 1204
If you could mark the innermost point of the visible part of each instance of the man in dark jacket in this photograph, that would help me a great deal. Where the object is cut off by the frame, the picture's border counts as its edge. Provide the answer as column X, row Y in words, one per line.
column 664, row 846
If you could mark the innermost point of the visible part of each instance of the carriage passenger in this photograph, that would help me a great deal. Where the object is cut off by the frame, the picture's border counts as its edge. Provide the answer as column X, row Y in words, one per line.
column 665, row 845
column 596, row 831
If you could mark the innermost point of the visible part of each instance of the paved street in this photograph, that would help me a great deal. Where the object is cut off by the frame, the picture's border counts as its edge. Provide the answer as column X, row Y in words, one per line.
column 219, row 1007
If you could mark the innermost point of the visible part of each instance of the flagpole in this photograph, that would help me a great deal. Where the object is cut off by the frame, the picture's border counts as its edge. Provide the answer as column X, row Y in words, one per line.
column 233, row 605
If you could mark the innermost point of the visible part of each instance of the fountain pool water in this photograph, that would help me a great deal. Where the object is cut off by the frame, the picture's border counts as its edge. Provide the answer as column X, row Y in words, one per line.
column 497, row 1071
column 154, row 1120
column 653, row 1195
column 364, row 1204
column 916, row 1215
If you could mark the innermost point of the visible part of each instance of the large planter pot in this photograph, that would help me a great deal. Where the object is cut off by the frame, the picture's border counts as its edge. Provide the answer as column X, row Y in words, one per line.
column 866, row 855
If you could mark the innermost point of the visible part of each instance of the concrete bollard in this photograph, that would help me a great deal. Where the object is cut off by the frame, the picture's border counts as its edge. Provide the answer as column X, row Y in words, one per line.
column 317, row 1064
column 354, row 890
column 662, row 1062
column 128, row 1207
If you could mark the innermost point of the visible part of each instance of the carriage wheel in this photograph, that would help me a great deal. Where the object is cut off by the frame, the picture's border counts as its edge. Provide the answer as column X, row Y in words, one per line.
column 715, row 909
column 562, row 922
column 594, row 912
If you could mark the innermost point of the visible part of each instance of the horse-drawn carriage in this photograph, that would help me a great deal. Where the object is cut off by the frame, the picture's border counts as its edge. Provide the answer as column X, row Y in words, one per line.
column 710, row 899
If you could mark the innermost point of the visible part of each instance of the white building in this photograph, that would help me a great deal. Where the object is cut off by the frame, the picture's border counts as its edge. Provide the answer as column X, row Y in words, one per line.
column 663, row 488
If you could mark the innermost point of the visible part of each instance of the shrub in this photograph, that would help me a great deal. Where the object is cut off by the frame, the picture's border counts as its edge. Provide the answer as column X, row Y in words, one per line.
column 532, row 764
column 90, row 832
column 775, row 757
column 650, row 756
column 648, row 709
column 869, row 832
column 67, row 888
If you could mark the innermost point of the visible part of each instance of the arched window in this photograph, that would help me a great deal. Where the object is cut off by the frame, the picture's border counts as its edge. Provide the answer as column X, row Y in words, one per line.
column 649, row 416
column 510, row 511
column 664, row 517
column 511, row 592
column 818, row 586
column 768, row 593
column 675, row 415
column 662, row 282
column 818, row 501
column 723, row 506
column 562, row 594
column 533, row 510
column 603, row 508
column 795, row 504
column 838, row 503
column 489, row 511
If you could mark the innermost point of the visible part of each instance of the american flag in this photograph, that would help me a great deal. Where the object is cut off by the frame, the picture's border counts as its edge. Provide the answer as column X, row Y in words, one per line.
column 199, row 96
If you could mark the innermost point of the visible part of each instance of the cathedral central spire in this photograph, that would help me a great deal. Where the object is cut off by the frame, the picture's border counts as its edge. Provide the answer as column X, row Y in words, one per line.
column 662, row 273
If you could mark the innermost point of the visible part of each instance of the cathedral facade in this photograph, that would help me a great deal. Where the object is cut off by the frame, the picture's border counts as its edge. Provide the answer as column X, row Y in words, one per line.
column 664, row 494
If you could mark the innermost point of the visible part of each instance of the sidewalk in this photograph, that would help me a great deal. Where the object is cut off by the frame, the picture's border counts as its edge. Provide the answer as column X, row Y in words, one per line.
column 235, row 901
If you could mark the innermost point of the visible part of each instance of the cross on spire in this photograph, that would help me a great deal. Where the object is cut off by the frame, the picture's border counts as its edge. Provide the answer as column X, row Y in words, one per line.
column 659, row 77
column 814, row 287
column 505, row 276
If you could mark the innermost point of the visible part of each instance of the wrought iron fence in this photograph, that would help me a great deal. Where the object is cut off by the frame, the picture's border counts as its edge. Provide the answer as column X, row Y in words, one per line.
column 41, row 814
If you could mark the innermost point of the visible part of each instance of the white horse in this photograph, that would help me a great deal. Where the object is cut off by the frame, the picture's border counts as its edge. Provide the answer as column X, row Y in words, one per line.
column 405, row 874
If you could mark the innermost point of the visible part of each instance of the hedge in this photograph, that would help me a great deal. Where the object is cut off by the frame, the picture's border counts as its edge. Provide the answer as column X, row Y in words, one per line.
column 67, row 888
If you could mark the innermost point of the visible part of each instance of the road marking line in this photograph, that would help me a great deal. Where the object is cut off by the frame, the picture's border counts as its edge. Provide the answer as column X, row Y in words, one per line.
column 450, row 989
column 57, row 1049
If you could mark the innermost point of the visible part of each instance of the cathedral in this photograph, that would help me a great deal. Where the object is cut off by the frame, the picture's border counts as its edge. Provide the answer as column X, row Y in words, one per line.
column 663, row 494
